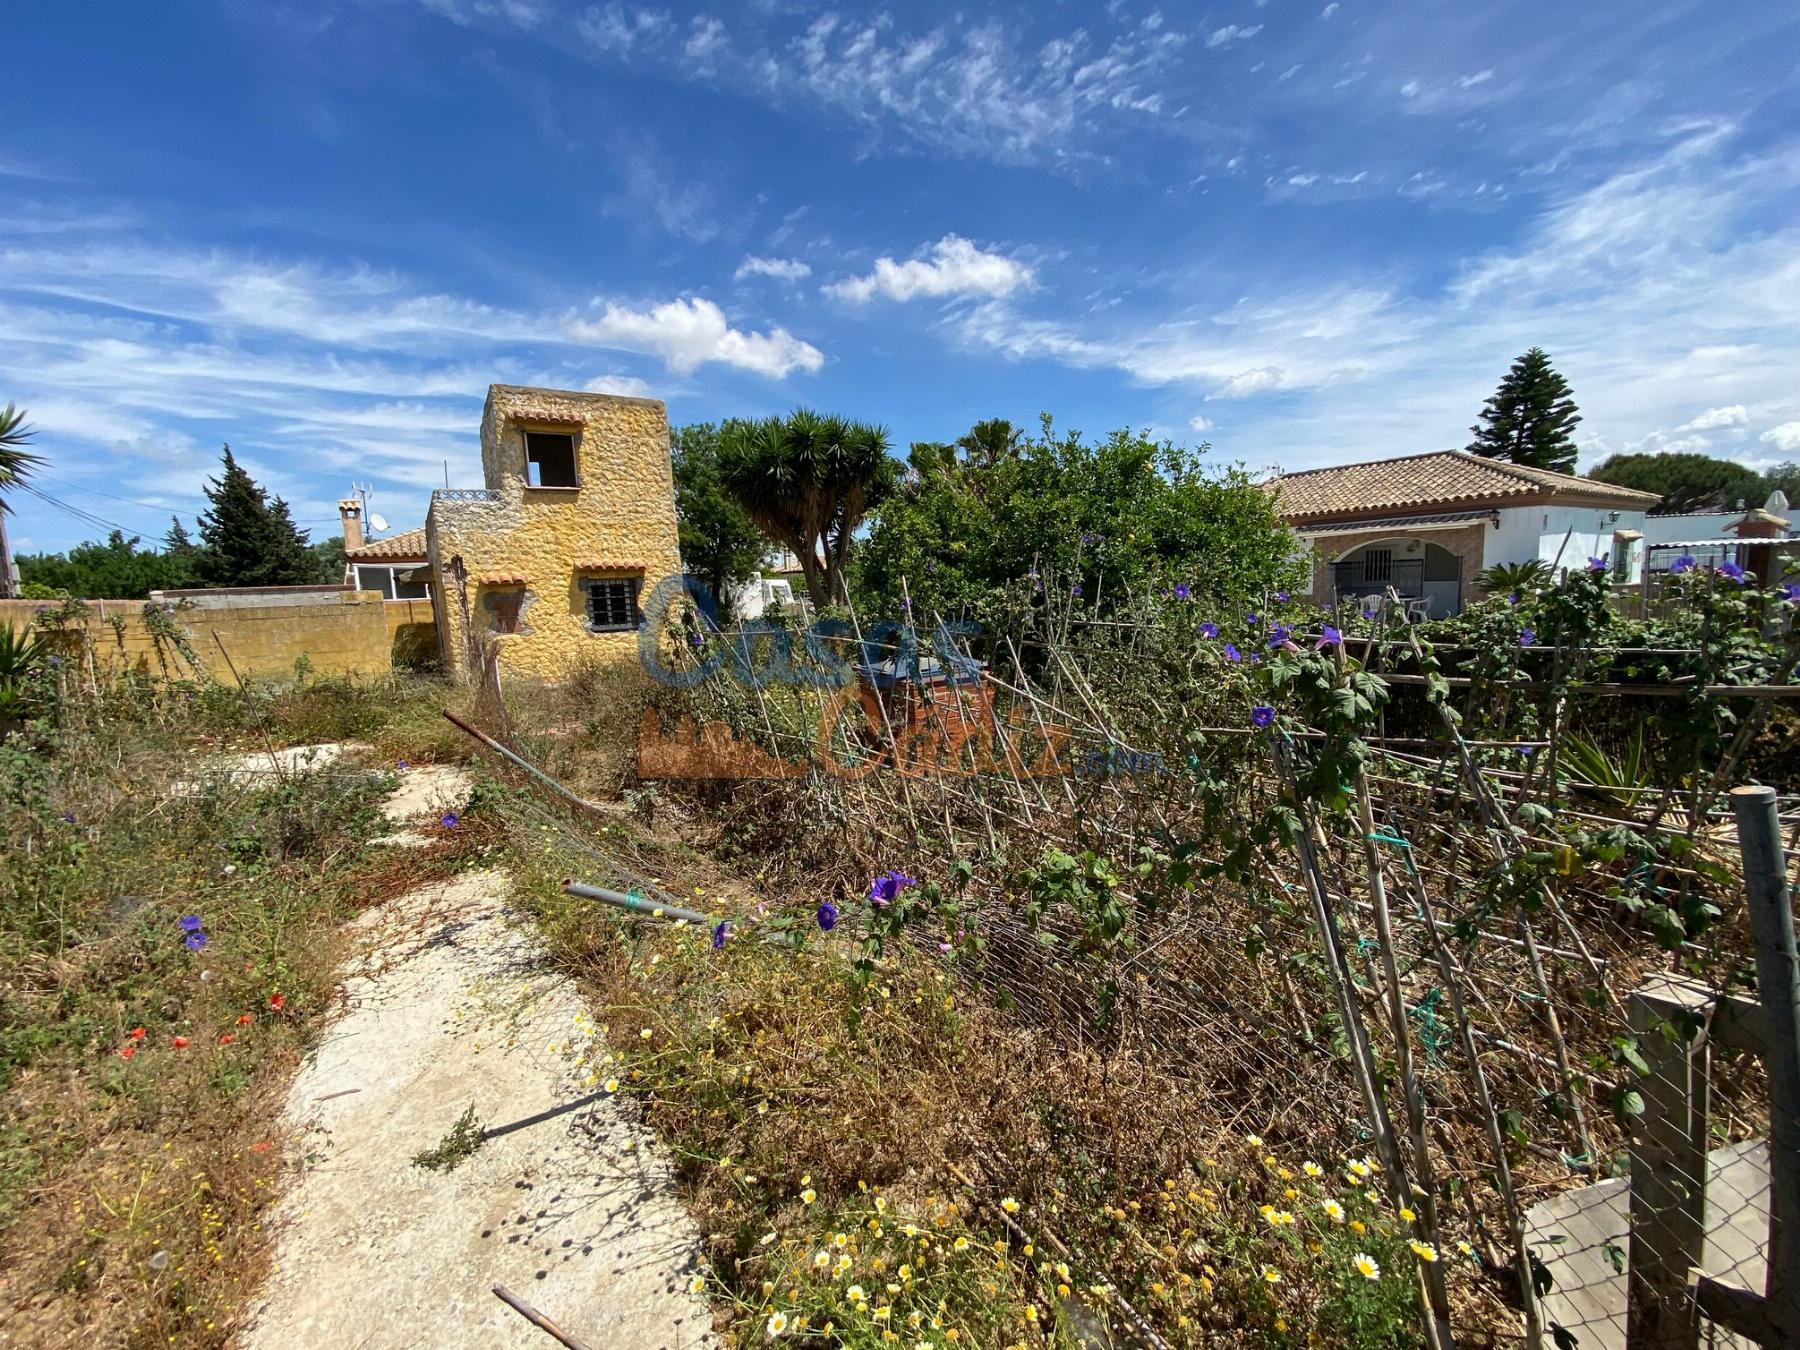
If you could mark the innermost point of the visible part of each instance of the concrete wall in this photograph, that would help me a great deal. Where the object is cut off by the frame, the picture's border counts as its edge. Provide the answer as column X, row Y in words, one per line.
column 545, row 542
column 338, row 632
column 1528, row 532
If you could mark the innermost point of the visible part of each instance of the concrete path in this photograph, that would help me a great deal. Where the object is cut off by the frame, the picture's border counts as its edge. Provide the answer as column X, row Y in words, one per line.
column 1589, row 1294
column 449, row 1004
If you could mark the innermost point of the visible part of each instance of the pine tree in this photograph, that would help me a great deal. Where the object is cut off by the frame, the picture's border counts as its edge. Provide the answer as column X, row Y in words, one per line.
column 1529, row 418
column 182, row 554
column 246, row 540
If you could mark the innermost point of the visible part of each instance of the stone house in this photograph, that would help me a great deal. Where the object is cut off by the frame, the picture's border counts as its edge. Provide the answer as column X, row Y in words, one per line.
column 551, row 561
column 394, row 567
column 1428, row 525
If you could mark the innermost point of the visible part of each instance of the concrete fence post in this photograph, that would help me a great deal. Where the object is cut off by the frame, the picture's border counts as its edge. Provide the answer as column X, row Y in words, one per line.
column 1668, row 1165
column 1778, row 992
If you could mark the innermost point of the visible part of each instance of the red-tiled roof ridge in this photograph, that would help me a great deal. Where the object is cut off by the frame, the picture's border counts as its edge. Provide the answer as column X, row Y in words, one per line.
column 405, row 545
column 1432, row 480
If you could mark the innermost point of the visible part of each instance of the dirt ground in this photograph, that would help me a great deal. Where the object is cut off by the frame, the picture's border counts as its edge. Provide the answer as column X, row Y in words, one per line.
column 449, row 1005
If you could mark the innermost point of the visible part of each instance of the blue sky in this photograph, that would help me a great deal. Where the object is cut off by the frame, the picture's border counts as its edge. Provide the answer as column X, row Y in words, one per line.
column 1305, row 232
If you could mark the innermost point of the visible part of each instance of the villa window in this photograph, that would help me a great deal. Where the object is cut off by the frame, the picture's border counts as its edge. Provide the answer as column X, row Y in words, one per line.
column 612, row 604
column 1378, row 564
column 550, row 459
column 503, row 610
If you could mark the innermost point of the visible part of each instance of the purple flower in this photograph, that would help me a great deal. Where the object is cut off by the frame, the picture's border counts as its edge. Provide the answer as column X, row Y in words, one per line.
column 1513, row 599
column 1598, row 564
column 1330, row 638
column 1254, row 620
column 1527, row 638
column 1075, row 590
column 943, row 946
column 400, row 765
column 721, row 931
column 1732, row 571
column 449, row 820
column 1792, row 592
column 1262, row 715
column 905, row 604
column 68, row 817
column 1232, row 653
column 1209, row 629
column 828, row 916
column 1369, row 614
column 1685, row 563
column 1181, row 591
column 196, row 940
column 1528, row 750
column 886, row 888
column 1281, row 597
column 190, row 923
column 1279, row 635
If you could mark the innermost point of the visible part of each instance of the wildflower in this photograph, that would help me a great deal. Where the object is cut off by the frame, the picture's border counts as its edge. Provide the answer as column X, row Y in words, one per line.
column 1232, row 653
column 886, row 888
column 1358, row 1226
column 277, row 1002
column 1333, row 1210
column 1262, row 715
column 1513, row 599
column 1280, row 635
column 245, row 1019
column 1279, row 1218
column 1597, row 564
column 808, row 1195
column 179, row 1042
column 1791, row 592
column 721, row 931
column 137, row 1033
column 697, row 1284
column 1209, row 630
column 449, row 820
column 1281, row 597
column 227, row 1039
column 1312, row 1169
column 1424, row 1251
column 1527, row 638
column 190, row 923
column 195, row 941
column 127, row 1051
column 828, row 916
column 612, row 1085
column 1369, row 615
column 821, row 1259
column 1075, row 590
column 961, row 1244
column 777, row 1326
column 1685, row 563
column 1360, row 1167
column 1182, row 592
column 856, row 1295
column 1330, row 637
column 645, row 1034
column 400, row 764
column 1467, row 1251
column 1731, row 572
column 1010, row 1205
column 1271, row 1275
column 1366, row 1267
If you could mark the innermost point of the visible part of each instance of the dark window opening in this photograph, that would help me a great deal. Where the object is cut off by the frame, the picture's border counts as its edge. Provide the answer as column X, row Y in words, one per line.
column 505, row 606
column 550, row 459
column 1378, row 564
column 612, row 605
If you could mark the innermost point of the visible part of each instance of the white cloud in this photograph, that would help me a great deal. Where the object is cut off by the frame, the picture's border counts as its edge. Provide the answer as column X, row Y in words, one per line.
column 1289, row 73
column 629, row 386
column 1411, row 89
column 1200, row 424
column 1785, row 437
column 1329, row 10
column 1714, row 419
column 954, row 268
column 1479, row 77
column 1231, row 33
column 782, row 269
column 688, row 333
column 1248, row 382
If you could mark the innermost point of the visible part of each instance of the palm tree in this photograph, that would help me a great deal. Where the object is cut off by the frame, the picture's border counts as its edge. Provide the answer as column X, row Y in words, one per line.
column 808, row 479
column 16, row 465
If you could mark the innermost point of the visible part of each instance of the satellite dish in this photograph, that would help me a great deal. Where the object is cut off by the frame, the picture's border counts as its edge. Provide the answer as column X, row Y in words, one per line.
column 378, row 520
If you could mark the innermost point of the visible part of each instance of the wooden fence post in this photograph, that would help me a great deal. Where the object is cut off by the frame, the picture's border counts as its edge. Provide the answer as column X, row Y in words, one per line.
column 1778, row 992
column 1668, row 1166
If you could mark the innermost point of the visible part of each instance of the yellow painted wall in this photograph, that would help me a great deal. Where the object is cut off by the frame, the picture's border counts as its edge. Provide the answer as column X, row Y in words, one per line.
column 623, row 511
column 342, row 633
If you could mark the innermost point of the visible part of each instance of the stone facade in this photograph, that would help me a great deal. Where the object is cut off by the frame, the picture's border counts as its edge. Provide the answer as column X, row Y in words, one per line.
column 513, row 565
column 1468, row 544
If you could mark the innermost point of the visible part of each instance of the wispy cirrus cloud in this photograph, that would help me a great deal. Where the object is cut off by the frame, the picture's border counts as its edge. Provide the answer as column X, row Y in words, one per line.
column 781, row 269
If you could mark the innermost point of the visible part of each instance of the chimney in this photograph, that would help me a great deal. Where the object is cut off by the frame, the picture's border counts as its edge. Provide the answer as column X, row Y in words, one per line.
column 350, row 516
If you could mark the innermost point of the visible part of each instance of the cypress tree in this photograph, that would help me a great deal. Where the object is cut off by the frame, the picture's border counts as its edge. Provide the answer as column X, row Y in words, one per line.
column 246, row 540
column 1529, row 418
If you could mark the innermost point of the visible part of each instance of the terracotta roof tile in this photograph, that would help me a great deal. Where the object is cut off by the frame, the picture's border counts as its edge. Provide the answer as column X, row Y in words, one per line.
column 1446, row 478
column 403, row 547
column 501, row 579
column 592, row 566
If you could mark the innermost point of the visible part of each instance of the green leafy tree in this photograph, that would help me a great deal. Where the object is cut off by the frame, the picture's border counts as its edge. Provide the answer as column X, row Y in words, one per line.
column 1784, row 478
column 1119, row 519
column 328, row 557
column 1685, row 482
column 1530, row 417
column 807, row 480
column 183, row 555
column 249, row 540
column 115, row 570
column 720, row 544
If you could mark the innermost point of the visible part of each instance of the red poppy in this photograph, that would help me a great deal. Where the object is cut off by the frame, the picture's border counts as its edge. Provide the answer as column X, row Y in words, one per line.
column 180, row 1042
column 244, row 1019
column 126, row 1052
column 277, row 1002
column 137, row 1033
column 227, row 1039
